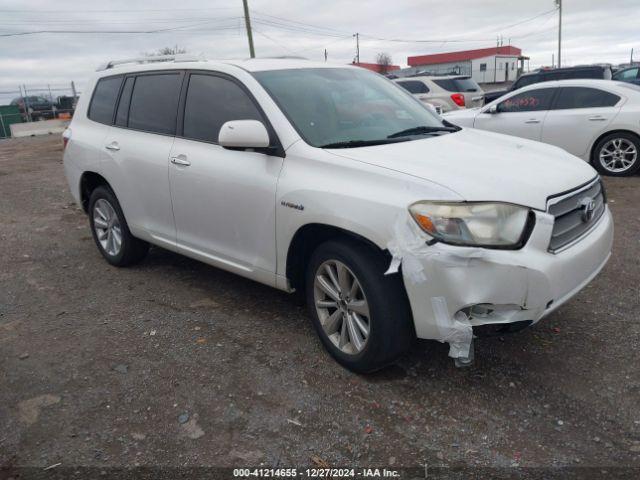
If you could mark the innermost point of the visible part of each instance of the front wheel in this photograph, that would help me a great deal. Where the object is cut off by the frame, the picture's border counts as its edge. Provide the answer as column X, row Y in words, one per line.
column 111, row 232
column 617, row 154
column 362, row 316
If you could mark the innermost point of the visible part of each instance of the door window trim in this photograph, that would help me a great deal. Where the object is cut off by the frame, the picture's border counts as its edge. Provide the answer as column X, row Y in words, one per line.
column 141, row 74
column 276, row 150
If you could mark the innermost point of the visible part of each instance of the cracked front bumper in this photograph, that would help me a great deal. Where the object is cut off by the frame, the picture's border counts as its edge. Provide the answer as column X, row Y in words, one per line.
column 451, row 289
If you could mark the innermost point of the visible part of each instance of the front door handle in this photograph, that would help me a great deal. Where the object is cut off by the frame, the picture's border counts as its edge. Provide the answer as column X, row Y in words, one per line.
column 597, row 118
column 113, row 146
column 180, row 160
column 532, row 120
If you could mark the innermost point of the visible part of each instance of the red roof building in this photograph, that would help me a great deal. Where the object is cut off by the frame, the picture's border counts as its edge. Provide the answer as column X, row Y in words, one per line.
column 484, row 65
column 464, row 55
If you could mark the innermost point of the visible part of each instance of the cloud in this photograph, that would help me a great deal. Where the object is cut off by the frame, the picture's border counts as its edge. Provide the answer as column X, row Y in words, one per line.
column 593, row 31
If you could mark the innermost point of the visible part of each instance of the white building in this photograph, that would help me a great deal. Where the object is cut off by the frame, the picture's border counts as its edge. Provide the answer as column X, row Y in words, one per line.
column 484, row 65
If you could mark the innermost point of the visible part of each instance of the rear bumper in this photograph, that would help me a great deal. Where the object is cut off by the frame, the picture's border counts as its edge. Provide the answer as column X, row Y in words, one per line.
column 452, row 289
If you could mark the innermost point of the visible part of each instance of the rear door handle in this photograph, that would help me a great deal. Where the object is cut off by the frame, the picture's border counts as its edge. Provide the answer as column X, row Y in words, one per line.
column 113, row 146
column 180, row 160
column 532, row 120
column 597, row 118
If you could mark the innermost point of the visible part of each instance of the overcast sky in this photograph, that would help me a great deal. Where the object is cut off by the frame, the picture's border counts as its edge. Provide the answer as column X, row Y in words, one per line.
column 593, row 31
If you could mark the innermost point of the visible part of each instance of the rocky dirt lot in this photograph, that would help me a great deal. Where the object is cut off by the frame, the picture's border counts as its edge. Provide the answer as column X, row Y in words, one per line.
column 173, row 363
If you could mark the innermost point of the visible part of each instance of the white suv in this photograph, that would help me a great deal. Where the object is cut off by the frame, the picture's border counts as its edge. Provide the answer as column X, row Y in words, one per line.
column 333, row 181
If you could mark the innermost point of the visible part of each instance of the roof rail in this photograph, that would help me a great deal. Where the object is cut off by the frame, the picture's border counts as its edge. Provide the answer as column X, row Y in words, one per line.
column 152, row 59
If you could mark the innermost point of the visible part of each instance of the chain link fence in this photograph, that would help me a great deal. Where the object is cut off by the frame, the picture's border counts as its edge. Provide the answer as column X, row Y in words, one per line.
column 32, row 103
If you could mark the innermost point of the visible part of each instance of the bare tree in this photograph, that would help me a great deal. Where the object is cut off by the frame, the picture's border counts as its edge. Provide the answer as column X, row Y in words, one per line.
column 167, row 51
column 384, row 61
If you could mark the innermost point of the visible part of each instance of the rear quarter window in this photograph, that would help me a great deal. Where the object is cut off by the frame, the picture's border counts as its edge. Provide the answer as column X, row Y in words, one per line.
column 103, row 102
column 457, row 84
column 414, row 86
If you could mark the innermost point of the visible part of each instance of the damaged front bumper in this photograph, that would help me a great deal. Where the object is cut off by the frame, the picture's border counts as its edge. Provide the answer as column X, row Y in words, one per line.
column 454, row 289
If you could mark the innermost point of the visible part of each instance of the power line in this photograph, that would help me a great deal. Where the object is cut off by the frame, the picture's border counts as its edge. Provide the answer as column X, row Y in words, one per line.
column 273, row 40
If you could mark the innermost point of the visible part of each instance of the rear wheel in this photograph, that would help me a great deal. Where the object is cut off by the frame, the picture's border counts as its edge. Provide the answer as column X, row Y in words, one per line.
column 361, row 315
column 617, row 154
column 111, row 232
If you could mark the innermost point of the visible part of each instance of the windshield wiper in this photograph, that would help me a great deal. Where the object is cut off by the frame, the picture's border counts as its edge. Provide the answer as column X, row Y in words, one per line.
column 361, row 143
column 422, row 129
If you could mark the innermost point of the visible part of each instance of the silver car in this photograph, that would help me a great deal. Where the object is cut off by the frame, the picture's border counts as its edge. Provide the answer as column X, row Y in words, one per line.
column 445, row 93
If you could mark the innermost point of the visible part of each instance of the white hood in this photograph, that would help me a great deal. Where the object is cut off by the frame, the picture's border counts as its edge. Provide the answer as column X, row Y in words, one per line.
column 483, row 166
column 465, row 117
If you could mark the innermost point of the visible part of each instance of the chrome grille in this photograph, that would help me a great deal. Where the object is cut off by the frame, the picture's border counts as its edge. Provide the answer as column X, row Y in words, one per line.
column 576, row 213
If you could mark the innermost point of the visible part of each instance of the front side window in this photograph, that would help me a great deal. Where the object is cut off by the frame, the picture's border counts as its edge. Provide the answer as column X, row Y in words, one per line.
column 104, row 99
column 345, row 107
column 626, row 75
column 530, row 101
column 414, row 86
column 154, row 103
column 212, row 101
column 583, row 97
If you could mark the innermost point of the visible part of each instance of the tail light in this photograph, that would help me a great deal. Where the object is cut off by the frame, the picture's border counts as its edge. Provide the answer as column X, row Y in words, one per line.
column 66, row 136
column 458, row 99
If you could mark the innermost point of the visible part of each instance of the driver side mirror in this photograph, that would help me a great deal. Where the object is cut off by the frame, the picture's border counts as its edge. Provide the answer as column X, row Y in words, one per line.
column 493, row 109
column 243, row 134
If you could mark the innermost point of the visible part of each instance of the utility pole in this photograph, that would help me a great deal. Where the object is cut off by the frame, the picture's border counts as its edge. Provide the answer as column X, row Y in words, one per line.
column 631, row 60
column 559, row 4
column 495, row 61
column 247, row 22
column 357, row 35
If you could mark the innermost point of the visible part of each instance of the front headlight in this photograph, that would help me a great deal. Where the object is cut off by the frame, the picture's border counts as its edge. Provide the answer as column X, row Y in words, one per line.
column 480, row 224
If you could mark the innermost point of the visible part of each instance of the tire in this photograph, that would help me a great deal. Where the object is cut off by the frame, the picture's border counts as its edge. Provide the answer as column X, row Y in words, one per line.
column 622, row 150
column 107, row 223
column 389, row 323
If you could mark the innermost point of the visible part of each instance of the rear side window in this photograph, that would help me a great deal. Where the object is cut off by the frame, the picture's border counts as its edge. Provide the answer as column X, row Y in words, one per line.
column 414, row 86
column 457, row 84
column 125, row 99
column 212, row 101
column 527, row 80
column 583, row 97
column 154, row 103
column 103, row 102
column 529, row 101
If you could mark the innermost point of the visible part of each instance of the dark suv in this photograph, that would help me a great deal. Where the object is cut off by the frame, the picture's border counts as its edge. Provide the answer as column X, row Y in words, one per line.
column 548, row 74
column 38, row 107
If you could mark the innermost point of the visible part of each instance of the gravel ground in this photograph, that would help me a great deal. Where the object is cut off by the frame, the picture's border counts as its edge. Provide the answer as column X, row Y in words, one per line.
column 173, row 363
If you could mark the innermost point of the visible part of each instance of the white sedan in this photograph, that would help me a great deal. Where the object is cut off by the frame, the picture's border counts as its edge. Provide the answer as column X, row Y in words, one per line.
column 596, row 120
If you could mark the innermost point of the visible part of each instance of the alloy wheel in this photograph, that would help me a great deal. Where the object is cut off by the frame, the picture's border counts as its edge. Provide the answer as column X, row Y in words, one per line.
column 342, row 307
column 106, row 225
column 618, row 155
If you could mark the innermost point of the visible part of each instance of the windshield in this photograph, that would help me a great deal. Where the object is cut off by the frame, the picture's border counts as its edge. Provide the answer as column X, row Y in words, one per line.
column 347, row 107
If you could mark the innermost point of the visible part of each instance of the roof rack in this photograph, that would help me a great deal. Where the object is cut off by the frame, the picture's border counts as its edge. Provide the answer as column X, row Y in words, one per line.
column 152, row 59
column 285, row 57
